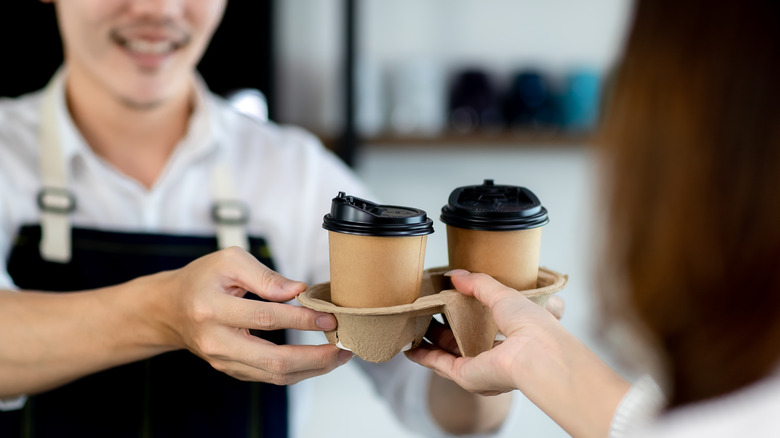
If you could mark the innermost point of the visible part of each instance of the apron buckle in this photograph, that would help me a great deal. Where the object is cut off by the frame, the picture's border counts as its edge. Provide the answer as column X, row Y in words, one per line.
column 230, row 212
column 56, row 200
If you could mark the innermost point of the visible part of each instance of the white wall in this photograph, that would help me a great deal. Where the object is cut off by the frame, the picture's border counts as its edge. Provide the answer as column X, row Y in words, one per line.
column 499, row 35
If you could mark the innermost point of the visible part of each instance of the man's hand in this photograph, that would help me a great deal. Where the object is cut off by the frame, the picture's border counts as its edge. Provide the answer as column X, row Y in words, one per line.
column 210, row 318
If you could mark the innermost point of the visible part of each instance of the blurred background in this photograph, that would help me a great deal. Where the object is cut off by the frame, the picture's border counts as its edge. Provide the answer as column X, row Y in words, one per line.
column 443, row 71
column 419, row 97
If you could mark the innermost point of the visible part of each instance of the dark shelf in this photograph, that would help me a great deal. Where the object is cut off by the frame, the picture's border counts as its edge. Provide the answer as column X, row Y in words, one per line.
column 520, row 138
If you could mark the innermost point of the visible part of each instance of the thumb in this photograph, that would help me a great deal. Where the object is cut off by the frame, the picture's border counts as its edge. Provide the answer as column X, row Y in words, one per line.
column 263, row 281
column 275, row 287
column 507, row 305
column 483, row 287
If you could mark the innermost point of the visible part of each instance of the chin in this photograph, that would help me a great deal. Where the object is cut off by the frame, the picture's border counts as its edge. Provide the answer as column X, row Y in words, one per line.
column 144, row 96
column 142, row 103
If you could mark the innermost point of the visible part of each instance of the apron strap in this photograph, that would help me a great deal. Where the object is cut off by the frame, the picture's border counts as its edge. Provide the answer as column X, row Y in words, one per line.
column 56, row 202
column 229, row 213
column 54, row 199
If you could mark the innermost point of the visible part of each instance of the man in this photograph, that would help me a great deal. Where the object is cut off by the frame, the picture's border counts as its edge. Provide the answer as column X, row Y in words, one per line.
column 113, row 181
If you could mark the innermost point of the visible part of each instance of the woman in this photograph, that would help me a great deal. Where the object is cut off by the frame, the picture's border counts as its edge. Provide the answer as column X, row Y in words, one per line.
column 691, row 157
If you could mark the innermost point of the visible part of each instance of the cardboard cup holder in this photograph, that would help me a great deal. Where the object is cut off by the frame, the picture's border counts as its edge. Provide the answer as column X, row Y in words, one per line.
column 378, row 334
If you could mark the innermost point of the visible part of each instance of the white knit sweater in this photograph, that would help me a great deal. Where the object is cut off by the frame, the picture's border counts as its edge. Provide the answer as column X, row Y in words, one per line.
column 753, row 411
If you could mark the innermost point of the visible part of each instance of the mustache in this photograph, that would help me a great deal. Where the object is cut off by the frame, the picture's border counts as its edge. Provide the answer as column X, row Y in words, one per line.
column 154, row 29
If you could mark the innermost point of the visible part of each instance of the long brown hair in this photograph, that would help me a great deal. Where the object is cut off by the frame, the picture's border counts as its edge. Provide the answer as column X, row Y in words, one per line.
column 691, row 150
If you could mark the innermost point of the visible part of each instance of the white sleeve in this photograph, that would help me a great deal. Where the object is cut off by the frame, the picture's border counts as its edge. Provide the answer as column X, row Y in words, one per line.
column 403, row 384
column 6, row 239
column 640, row 405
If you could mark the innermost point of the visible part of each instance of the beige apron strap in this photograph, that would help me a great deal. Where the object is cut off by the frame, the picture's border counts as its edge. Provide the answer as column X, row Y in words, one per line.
column 229, row 213
column 54, row 200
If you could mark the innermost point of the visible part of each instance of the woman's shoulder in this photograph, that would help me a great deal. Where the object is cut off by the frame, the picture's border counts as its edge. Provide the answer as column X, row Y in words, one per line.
column 748, row 412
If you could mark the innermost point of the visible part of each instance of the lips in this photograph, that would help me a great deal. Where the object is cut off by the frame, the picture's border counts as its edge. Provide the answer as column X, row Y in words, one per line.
column 150, row 40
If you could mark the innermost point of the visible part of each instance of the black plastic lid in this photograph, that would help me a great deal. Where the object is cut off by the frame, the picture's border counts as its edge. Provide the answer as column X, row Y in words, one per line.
column 352, row 215
column 489, row 207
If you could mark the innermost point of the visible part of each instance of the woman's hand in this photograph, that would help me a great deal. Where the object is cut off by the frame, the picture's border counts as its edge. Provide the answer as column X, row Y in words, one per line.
column 525, row 325
column 539, row 357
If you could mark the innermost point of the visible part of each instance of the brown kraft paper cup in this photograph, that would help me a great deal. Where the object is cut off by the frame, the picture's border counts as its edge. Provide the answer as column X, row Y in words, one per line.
column 377, row 252
column 511, row 257
column 496, row 230
column 375, row 271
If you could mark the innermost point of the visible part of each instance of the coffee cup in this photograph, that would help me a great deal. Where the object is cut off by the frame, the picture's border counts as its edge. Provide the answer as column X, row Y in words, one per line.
column 377, row 252
column 496, row 230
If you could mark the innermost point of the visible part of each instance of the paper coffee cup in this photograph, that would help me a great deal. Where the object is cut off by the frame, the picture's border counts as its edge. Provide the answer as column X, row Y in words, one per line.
column 377, row 252
column 496, row 230
column 511, row 257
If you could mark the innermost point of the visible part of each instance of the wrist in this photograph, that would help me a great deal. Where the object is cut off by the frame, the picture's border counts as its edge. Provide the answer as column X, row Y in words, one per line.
column 570, row 383
column 152, row 300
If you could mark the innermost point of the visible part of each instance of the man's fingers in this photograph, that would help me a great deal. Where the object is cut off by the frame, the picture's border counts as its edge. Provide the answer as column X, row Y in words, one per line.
column 286, row 367
column 267, row 361
column 257, row 278
column 275, row 287
column 250, row 314
column 303, row 358
column 244, row 372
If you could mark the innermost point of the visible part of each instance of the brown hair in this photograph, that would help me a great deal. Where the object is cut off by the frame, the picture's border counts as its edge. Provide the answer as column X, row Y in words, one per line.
column 691, row 150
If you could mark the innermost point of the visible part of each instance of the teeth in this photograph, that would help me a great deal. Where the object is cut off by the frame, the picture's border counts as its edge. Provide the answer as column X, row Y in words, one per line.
column 149, row 47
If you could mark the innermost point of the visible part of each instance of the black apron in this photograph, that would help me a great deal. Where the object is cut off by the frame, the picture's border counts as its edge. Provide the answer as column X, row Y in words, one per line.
column 175, row 394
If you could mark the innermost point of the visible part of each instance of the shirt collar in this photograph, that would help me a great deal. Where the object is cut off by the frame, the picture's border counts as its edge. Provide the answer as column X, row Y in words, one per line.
column 203, row 130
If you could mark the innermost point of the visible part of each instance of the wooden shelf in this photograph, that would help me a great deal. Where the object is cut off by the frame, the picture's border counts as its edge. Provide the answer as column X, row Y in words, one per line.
column 502, row 139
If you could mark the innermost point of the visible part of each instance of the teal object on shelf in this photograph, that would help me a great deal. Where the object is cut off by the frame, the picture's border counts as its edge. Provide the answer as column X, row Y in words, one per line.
column 581, row 99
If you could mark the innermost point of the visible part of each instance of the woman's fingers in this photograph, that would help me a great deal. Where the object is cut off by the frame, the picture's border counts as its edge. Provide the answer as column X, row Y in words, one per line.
column 438, row 360
column 483, row 287
column 556, row 306
column 441, row 336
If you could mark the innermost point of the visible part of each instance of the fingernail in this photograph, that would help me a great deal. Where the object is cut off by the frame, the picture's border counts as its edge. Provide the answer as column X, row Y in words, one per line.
column 456, row 273
column 294, row 286
column 345, row 356
column 326, row 322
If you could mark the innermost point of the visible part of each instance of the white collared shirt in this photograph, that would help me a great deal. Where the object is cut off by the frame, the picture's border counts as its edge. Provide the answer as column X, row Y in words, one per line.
column 283, row 174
